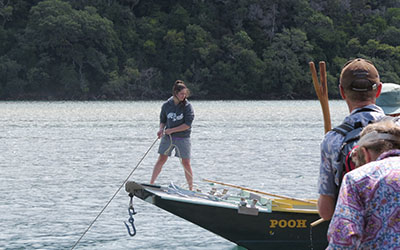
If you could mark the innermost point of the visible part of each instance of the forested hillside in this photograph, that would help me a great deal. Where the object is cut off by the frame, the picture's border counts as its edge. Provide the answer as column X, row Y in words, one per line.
column 239, row 49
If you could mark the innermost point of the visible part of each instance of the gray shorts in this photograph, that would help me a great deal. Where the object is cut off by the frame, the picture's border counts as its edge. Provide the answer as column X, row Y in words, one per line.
column 182, row 146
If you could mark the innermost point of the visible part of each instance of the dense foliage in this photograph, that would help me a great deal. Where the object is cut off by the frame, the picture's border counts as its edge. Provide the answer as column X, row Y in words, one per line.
column 222, row 49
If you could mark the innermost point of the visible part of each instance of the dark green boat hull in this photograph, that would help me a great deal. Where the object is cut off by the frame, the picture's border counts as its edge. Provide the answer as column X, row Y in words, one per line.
column 267, row 230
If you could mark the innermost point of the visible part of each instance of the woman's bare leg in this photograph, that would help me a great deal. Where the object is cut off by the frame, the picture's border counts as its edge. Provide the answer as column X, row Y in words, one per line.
column 157, row 168
column 188, row 172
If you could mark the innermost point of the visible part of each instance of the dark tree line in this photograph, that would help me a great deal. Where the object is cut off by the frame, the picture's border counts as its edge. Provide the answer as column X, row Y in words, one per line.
column 239, row 49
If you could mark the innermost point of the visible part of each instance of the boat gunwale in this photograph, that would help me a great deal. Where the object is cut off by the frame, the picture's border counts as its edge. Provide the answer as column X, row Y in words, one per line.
column 278, row 204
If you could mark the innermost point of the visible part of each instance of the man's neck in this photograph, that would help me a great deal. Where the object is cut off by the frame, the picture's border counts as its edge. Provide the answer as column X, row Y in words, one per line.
column 355, row 105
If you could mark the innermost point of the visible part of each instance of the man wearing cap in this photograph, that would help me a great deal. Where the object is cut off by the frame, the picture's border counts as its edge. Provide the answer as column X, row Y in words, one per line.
column 359, row 87
column 389, row 100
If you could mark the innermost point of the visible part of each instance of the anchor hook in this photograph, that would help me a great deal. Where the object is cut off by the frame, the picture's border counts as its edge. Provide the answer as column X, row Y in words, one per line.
column 131, row 212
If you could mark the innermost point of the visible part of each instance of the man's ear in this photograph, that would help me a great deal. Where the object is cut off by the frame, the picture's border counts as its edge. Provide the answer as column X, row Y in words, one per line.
column 342, row 92
column 379, row 89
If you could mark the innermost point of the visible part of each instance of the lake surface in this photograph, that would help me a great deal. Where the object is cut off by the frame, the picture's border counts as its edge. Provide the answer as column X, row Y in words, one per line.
column 61, row 162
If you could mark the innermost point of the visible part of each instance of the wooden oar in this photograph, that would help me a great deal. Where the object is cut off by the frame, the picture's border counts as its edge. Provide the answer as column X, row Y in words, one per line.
column 322, row 93
column 260, row 192
column 317, row 222
column 321, row 89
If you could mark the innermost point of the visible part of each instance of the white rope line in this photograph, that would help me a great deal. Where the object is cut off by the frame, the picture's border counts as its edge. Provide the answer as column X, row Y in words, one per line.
column 115, row 194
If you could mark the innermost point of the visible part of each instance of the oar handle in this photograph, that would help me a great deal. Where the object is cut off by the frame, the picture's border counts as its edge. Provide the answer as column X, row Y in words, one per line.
column 324, row 96
column 317, row 222
column 315, row 79
column 322, row 92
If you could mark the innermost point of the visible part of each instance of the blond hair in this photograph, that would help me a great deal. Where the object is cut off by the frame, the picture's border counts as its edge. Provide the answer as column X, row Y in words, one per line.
column 390, row 139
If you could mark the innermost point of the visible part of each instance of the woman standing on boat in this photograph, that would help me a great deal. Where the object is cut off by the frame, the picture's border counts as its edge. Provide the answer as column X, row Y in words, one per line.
column 176, row 119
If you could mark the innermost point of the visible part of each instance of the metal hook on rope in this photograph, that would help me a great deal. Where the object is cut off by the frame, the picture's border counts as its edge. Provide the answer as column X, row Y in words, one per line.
column 131, row 212
column 115, row 194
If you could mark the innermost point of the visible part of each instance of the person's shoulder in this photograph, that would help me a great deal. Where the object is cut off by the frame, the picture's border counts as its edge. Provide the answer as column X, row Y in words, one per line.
column 360, row 173
column 332, row 141
column 333, row 134
column 368, row 109
column 365, row 114
column 375, row 169
column 169, row 101
column 188, row 104
column 166, row 106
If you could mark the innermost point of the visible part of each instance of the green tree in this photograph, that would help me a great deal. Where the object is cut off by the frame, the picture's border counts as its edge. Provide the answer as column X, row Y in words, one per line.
column 80, row 39
column 90, row 49
column 11, row 84
column 393, row 17
column 5, row 11
column 287, row 64
column 391, row 36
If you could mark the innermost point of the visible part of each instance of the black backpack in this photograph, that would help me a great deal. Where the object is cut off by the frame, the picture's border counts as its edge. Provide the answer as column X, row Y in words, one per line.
column 351, row 133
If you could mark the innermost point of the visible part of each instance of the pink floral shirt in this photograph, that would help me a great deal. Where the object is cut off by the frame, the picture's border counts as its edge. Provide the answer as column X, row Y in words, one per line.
column 367, row 213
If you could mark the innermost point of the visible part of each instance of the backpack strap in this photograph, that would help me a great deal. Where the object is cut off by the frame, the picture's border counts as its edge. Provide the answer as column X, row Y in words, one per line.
column 346, row 127
column 351, row 134
column 343, row 128
column 349, row 164
column 365, row 110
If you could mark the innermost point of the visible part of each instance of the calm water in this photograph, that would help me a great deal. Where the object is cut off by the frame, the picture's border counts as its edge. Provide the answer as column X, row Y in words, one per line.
column 61, row 162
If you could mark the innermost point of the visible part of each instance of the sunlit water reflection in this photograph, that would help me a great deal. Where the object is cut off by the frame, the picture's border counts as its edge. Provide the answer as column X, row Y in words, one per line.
column 61, row 162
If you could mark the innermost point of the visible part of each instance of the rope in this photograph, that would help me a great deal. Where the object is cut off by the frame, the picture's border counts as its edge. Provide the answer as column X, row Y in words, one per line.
column 171, row 145
column 115, row 194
